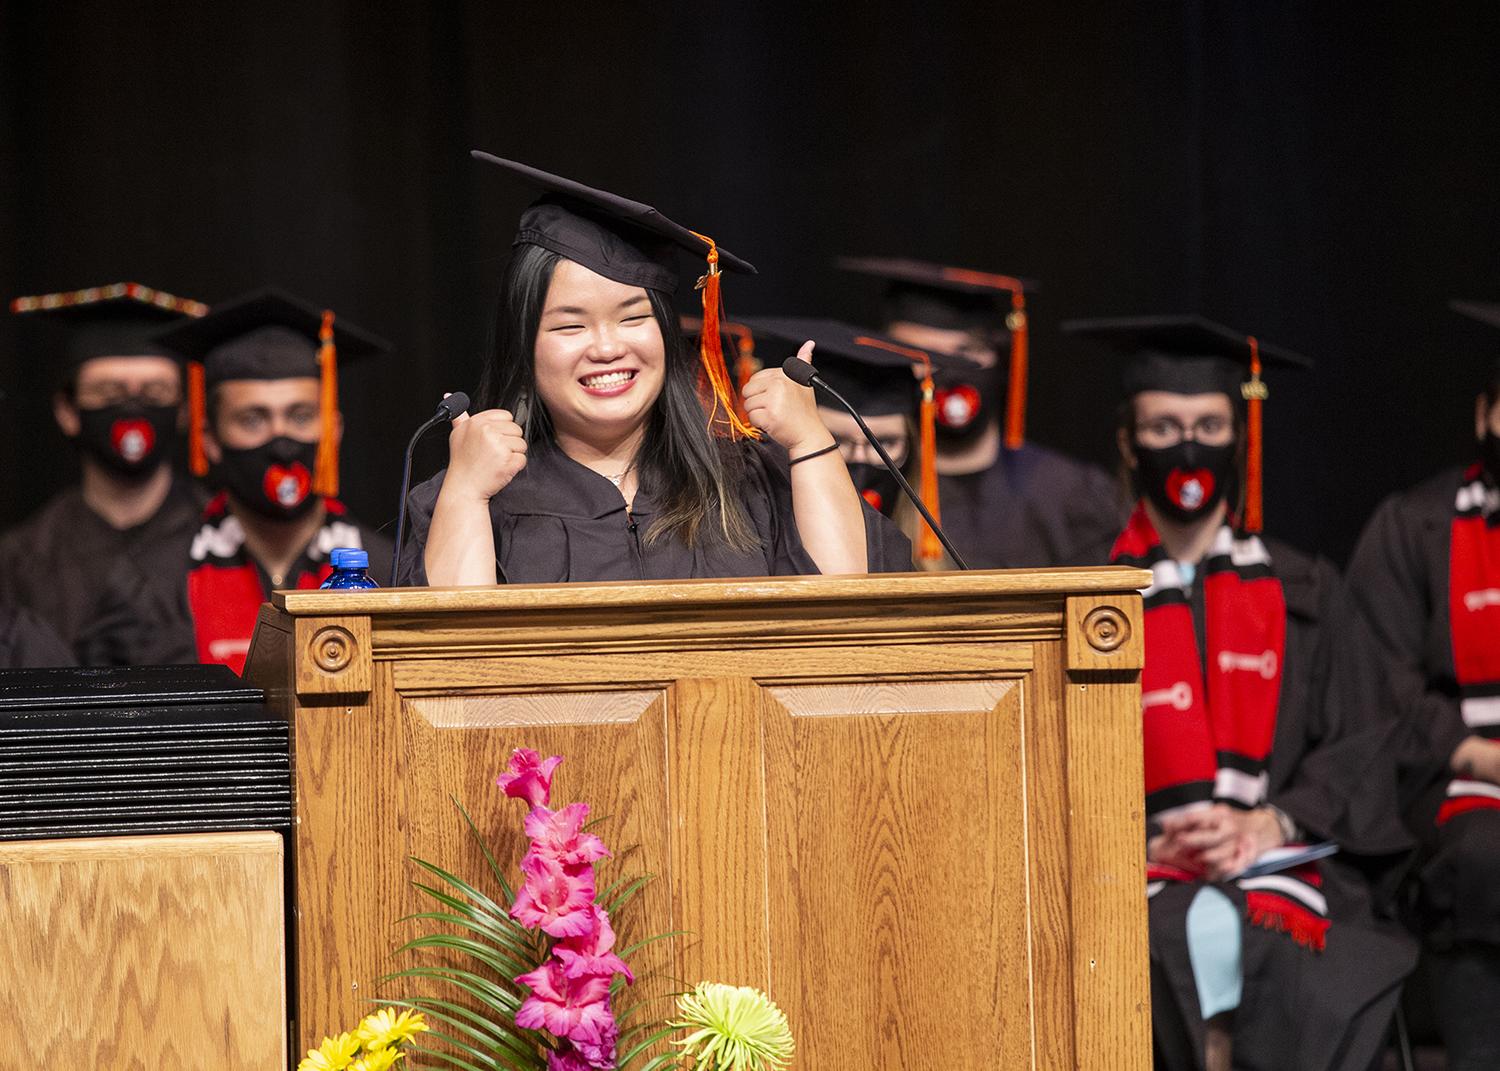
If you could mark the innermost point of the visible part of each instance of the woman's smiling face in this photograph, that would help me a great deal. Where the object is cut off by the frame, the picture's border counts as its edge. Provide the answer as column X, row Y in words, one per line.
column 600, row 359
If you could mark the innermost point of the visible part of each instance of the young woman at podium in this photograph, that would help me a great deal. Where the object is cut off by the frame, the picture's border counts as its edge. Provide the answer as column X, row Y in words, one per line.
column 598, row 453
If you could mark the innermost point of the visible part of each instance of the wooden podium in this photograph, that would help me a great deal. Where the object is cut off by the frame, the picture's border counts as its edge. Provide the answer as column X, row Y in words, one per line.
column 908, row 807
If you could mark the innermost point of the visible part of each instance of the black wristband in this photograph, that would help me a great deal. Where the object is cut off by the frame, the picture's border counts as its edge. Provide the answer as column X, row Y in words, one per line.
column 830, row 448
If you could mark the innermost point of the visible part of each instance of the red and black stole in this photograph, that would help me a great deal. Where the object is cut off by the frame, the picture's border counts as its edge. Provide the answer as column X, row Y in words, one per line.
column 1208, row 718
column 224, row 585
column 1474, row 616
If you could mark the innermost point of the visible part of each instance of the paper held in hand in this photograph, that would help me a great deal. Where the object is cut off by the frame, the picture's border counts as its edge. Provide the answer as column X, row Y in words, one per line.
column 1286, row 857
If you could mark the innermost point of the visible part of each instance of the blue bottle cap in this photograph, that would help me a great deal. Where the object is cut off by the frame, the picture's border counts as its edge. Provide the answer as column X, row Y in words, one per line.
column 349, row 558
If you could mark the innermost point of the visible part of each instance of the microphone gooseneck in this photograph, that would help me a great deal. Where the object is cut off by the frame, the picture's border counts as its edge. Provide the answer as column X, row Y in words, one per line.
column 805, row 375
column 451, row 407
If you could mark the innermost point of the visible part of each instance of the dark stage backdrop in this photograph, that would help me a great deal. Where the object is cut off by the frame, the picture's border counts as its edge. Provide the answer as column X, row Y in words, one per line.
column 1323, row 175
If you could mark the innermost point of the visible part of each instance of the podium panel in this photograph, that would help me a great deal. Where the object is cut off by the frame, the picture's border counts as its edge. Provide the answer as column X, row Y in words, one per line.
column 154, row 951
column 908, row 807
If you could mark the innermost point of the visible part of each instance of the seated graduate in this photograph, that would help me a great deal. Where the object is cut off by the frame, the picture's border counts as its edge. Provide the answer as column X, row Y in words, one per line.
column 265, row 416
column 892, row 387
column 1424, row 646
column 1008, row 503
column 98, row 561
column 1245, row 750
column 603, row 451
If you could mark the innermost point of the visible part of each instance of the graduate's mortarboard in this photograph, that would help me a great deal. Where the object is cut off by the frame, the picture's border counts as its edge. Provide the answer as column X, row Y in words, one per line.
column 878, row 376
column 1193, row 355
column 269, row 334
column 960, row 299
column 118, row 320
column 1486, row 312
column 631, row 243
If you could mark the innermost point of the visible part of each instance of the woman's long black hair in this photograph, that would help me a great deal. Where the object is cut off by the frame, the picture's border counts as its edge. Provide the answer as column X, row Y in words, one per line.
column 689, row 473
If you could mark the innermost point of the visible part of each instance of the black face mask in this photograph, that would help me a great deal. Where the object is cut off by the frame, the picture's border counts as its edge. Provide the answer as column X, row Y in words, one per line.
column 129, row 439
column 1187, row 480
column 876, row 485
column 965, row 408
column 274, row 479
column 1489, row 455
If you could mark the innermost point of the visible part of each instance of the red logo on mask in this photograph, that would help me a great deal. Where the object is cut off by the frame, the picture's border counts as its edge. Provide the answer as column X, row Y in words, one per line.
column 1189, row 490
column 287, row 485
column 132, row 439
column 873, row 498
column 957, row 406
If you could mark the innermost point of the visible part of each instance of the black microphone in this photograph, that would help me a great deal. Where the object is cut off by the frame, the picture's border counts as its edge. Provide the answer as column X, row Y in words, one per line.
column 450, row 407
column 805, row 375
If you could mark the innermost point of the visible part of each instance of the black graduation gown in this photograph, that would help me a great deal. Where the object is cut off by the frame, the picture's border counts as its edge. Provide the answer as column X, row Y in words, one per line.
column 1033, row 507
column 101, row 589
column 1396, row 657
column 29, row 643
column 561, row 521
column 1301, row 1010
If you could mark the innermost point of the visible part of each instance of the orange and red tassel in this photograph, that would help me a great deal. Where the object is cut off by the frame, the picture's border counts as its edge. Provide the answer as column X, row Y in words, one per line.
column 326, row 468
column 1255, row 394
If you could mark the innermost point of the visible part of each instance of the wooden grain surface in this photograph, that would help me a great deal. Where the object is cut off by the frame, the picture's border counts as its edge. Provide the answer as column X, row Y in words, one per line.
column 698, row 595
column 863, row 802
column 144, row 952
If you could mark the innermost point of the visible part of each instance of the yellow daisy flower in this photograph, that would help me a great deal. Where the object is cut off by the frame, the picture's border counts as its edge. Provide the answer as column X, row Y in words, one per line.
column 735, row 1028
column 383, row 1060
column 387, row 1028
column 333, row 1055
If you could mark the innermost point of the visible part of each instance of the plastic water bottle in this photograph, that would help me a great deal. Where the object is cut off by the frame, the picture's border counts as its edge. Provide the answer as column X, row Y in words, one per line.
column 351, row 569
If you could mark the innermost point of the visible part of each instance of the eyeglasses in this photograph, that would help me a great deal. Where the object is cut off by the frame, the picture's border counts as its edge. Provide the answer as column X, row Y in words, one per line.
column 858, row 451
column 100, row 395
column 1169, row 431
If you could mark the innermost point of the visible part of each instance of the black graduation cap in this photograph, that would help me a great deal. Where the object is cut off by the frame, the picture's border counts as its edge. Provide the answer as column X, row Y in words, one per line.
column 118, row 320
column 961, row 299
column 939, row 295
column 1193, row 355
column 269, row 334
column 1184, row 354
column 634, row 244
column 1486, row 312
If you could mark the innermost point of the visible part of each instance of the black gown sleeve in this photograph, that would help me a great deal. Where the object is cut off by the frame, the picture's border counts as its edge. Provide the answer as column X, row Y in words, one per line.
column 26, row 642
column 419, row 506
column 1342, row 787
column 1380, row 664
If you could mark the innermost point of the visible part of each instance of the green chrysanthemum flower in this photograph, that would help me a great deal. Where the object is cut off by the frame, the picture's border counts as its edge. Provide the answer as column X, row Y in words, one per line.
column 734, row 1028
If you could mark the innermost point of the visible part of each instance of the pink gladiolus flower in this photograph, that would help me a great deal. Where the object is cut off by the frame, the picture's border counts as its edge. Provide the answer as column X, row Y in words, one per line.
column 567, row 1059
column 528, row 777
column 590, row 954
column 601, row 1054
column 575, row 1010
column 559, row 835
column 553, row 899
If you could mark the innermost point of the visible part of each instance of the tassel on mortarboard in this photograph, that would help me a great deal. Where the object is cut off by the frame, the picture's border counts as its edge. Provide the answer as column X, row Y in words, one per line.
column 723, row 405
column 326, row 469
column 929, row 547
column 1255, row 394
column 1015, row 397
column 197, row 418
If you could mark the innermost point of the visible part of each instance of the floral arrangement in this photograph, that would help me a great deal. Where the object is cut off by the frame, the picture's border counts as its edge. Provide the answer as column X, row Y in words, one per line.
column 375, row 1045
column 535, row 975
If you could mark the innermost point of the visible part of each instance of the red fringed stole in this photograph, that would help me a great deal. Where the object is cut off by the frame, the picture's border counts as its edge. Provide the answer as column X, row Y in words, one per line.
column 1474, row 613
column 1208, row 739
column 1208, row 723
